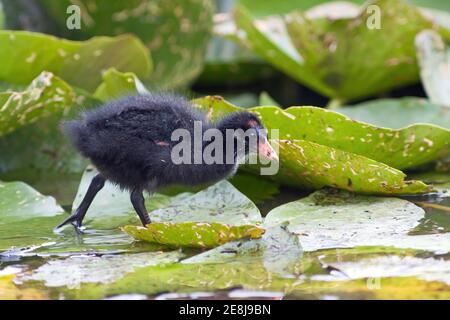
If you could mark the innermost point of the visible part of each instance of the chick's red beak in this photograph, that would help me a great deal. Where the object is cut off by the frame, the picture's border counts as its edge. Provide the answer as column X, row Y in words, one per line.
column 266, row 149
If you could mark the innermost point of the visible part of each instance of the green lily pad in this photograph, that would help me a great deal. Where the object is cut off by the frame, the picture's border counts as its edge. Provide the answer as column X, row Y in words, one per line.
column 342, row 220
column 341, row 148
column 221, row 203
column 434, row 60
column 175, row 32
column 278, row 249
column 46, row 95
column 402, row 148
column 193, row 234
column 25, row 55
column 21, row 208
column 116, row 84
column 10, row 291
column 314, row 50
column 313, row 166
column 388, row 266
column 39, row 151
column 27, row 228
column 398, row 113
column 73, row 271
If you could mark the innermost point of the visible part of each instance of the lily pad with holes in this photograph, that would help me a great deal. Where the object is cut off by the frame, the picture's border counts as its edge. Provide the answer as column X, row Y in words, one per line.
column 314, row 48
column 401, row 148
column 25, row 55
column 46, row 95
column 175, row 32
column 313, row 166
column 323, row 148
column 193, row 234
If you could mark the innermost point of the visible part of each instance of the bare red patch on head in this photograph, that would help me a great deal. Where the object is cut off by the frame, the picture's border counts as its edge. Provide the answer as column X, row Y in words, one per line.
column 252, row 123
column 162, row 143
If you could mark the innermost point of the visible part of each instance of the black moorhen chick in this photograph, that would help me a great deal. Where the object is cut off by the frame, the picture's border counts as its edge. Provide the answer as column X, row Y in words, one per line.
column 130, row 143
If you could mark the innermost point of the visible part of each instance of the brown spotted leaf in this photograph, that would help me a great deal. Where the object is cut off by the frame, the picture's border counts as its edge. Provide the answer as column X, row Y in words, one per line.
column 193, row 234
column 46, row 95
column 323, row 148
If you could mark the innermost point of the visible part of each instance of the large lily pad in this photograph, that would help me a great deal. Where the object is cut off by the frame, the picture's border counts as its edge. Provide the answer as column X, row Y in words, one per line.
column 341, row 148
column 341, row 220
column 46, row 95
column 315, row 49
column 73, row 271
column 313, row 166
column 220, row 203
column 79, row 63
column 402, row 148
column 193, row 234
column 434, row 59
column 175, row 32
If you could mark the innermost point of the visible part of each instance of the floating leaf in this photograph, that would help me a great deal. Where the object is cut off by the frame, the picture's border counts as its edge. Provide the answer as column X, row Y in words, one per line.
column 73, row 271
column 45, row 96
column 175, row 32
column 25, row 55
column 21, row 210
column 434, row 60
column 315, row 49
column 221, row 203
column 40, row 152
column 398, row 113
column 342, row 148
column 401, row 148
column 342, row 220
column 278, row 249
column 10, row 291
column 193, row 234
column 313, row 166
column 116, row 84
column 428, row 269
column 208, row 218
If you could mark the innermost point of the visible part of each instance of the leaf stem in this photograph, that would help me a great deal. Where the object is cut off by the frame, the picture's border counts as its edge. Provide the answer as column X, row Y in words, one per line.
column 433, row 205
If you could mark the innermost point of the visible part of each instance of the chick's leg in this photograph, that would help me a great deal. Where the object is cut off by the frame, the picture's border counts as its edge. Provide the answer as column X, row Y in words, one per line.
column 76, row 218
column 137, row 199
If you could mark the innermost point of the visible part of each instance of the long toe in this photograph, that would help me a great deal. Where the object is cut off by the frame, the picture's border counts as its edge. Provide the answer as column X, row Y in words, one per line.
column 72, row 219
